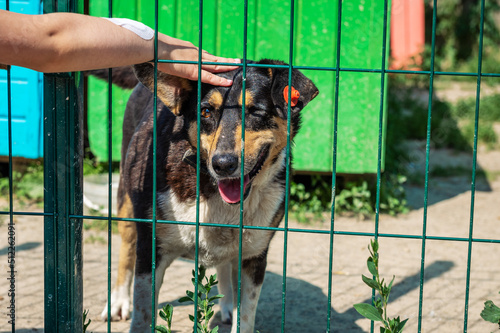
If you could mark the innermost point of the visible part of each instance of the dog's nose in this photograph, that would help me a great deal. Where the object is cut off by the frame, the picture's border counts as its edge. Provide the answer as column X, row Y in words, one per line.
column 225, row 164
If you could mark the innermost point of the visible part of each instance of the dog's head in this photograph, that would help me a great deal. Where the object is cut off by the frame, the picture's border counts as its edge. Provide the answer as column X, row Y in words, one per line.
column 266, row 111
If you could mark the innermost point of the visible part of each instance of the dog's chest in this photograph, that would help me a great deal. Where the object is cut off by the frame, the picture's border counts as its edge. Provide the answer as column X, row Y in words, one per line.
column 217, row 244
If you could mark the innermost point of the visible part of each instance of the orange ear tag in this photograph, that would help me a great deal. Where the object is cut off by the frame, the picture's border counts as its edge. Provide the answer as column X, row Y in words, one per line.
column 295, row 95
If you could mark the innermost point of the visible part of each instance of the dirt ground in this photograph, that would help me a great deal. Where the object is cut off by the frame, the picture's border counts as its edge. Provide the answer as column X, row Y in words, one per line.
column 448, row 215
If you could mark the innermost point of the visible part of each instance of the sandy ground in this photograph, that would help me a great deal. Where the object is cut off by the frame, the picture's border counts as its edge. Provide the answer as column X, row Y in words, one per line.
column 448, row 215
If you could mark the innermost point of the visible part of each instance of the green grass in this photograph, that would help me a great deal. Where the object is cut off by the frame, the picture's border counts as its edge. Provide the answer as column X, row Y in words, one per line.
column 310, row 196
column 27, row 184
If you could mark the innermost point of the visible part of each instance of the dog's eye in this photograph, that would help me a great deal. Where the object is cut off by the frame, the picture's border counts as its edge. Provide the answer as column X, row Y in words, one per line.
column 206, row 113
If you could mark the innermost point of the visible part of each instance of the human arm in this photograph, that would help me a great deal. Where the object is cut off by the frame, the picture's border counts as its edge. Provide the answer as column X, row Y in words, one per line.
column 65, row 42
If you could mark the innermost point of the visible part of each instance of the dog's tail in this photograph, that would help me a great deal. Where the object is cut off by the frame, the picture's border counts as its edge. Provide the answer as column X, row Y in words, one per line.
column 123, row 77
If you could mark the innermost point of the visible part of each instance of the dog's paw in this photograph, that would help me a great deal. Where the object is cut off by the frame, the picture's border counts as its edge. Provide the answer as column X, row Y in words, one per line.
column 227, row 318
column 120, row 306
column 226, row 311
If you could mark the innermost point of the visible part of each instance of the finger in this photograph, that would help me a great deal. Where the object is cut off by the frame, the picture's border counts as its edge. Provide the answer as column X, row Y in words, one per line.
column 207, row 77
column 219, row 68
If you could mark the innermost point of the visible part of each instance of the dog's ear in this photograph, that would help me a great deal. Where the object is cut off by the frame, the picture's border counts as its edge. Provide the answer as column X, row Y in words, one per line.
column 172, row 90
column 303, row 89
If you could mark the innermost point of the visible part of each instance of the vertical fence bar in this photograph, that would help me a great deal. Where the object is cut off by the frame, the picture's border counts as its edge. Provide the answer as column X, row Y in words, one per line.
column 198, row 163
column 242, row 168
column 287, row 165
column 381, row 120
column 110, row 179
column 427, row 157
column 63, row 195
column 380, row 132
column 153, row 206
column 334, row 162
column 474, row 165
column 12, row 227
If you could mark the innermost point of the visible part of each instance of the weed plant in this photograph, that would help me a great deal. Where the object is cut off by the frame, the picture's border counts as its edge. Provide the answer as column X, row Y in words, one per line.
column 166, row 313
column 491, row 313
column 378, row 311
column 85, row 322
column 205, row 304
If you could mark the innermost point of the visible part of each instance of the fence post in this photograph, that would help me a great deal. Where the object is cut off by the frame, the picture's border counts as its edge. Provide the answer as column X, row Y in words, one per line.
column 63, row 198
column 63, row 115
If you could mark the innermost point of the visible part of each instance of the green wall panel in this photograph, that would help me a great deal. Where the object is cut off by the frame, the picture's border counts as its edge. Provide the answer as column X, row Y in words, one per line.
column 268, row 36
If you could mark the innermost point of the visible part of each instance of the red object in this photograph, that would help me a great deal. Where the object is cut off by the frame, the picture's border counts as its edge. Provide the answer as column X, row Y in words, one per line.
column 407, row 33
column 295, row 95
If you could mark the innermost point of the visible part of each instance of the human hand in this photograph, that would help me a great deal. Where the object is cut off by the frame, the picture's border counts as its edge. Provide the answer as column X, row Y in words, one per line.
column 176, row 49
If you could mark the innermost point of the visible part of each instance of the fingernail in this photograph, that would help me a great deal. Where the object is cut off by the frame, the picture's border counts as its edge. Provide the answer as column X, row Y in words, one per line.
column 229, row 82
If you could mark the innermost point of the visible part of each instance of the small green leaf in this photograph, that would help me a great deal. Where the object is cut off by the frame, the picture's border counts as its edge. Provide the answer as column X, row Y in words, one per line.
column 393, row 323
column 167, row 312
column 201, row 273
column 213, row 298
column 185, row 299
column 390, row 284
column 201, row 288
column 191, row 317
column 209, row 315
column 161, row 329
column 368, row 311
column 371, row 266
column 491, row 312
column 370, row 282
column 401, row 325
column 215, row 330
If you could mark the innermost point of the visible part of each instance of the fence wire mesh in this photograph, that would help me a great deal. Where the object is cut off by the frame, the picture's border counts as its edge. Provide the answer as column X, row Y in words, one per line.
column 63, row 214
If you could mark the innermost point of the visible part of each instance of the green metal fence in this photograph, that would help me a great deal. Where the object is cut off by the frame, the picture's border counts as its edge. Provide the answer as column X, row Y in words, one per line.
column 63, row 208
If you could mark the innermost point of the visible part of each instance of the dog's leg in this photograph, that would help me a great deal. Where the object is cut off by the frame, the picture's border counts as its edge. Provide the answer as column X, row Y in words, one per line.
column 141, row 315
column 120, row 297
column 225, row 288
column 252, row 277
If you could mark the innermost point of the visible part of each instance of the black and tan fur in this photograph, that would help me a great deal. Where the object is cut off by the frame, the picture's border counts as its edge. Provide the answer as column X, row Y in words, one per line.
column 220, row 144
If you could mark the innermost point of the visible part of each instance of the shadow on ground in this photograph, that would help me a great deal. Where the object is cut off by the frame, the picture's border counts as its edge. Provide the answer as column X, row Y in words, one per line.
column 21, row 247
column 306, row 304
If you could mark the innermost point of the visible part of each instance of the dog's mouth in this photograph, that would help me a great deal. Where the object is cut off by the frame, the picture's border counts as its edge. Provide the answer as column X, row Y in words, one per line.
column 229, row 188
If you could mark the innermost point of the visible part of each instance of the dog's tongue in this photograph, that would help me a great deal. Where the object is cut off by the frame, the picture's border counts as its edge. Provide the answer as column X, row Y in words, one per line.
column 229, row 189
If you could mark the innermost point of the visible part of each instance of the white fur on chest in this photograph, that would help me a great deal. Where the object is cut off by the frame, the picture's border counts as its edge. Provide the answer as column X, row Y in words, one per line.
column 218, row 244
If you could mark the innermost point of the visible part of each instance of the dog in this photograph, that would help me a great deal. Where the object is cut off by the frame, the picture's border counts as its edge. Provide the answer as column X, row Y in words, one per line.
column 219, row 148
